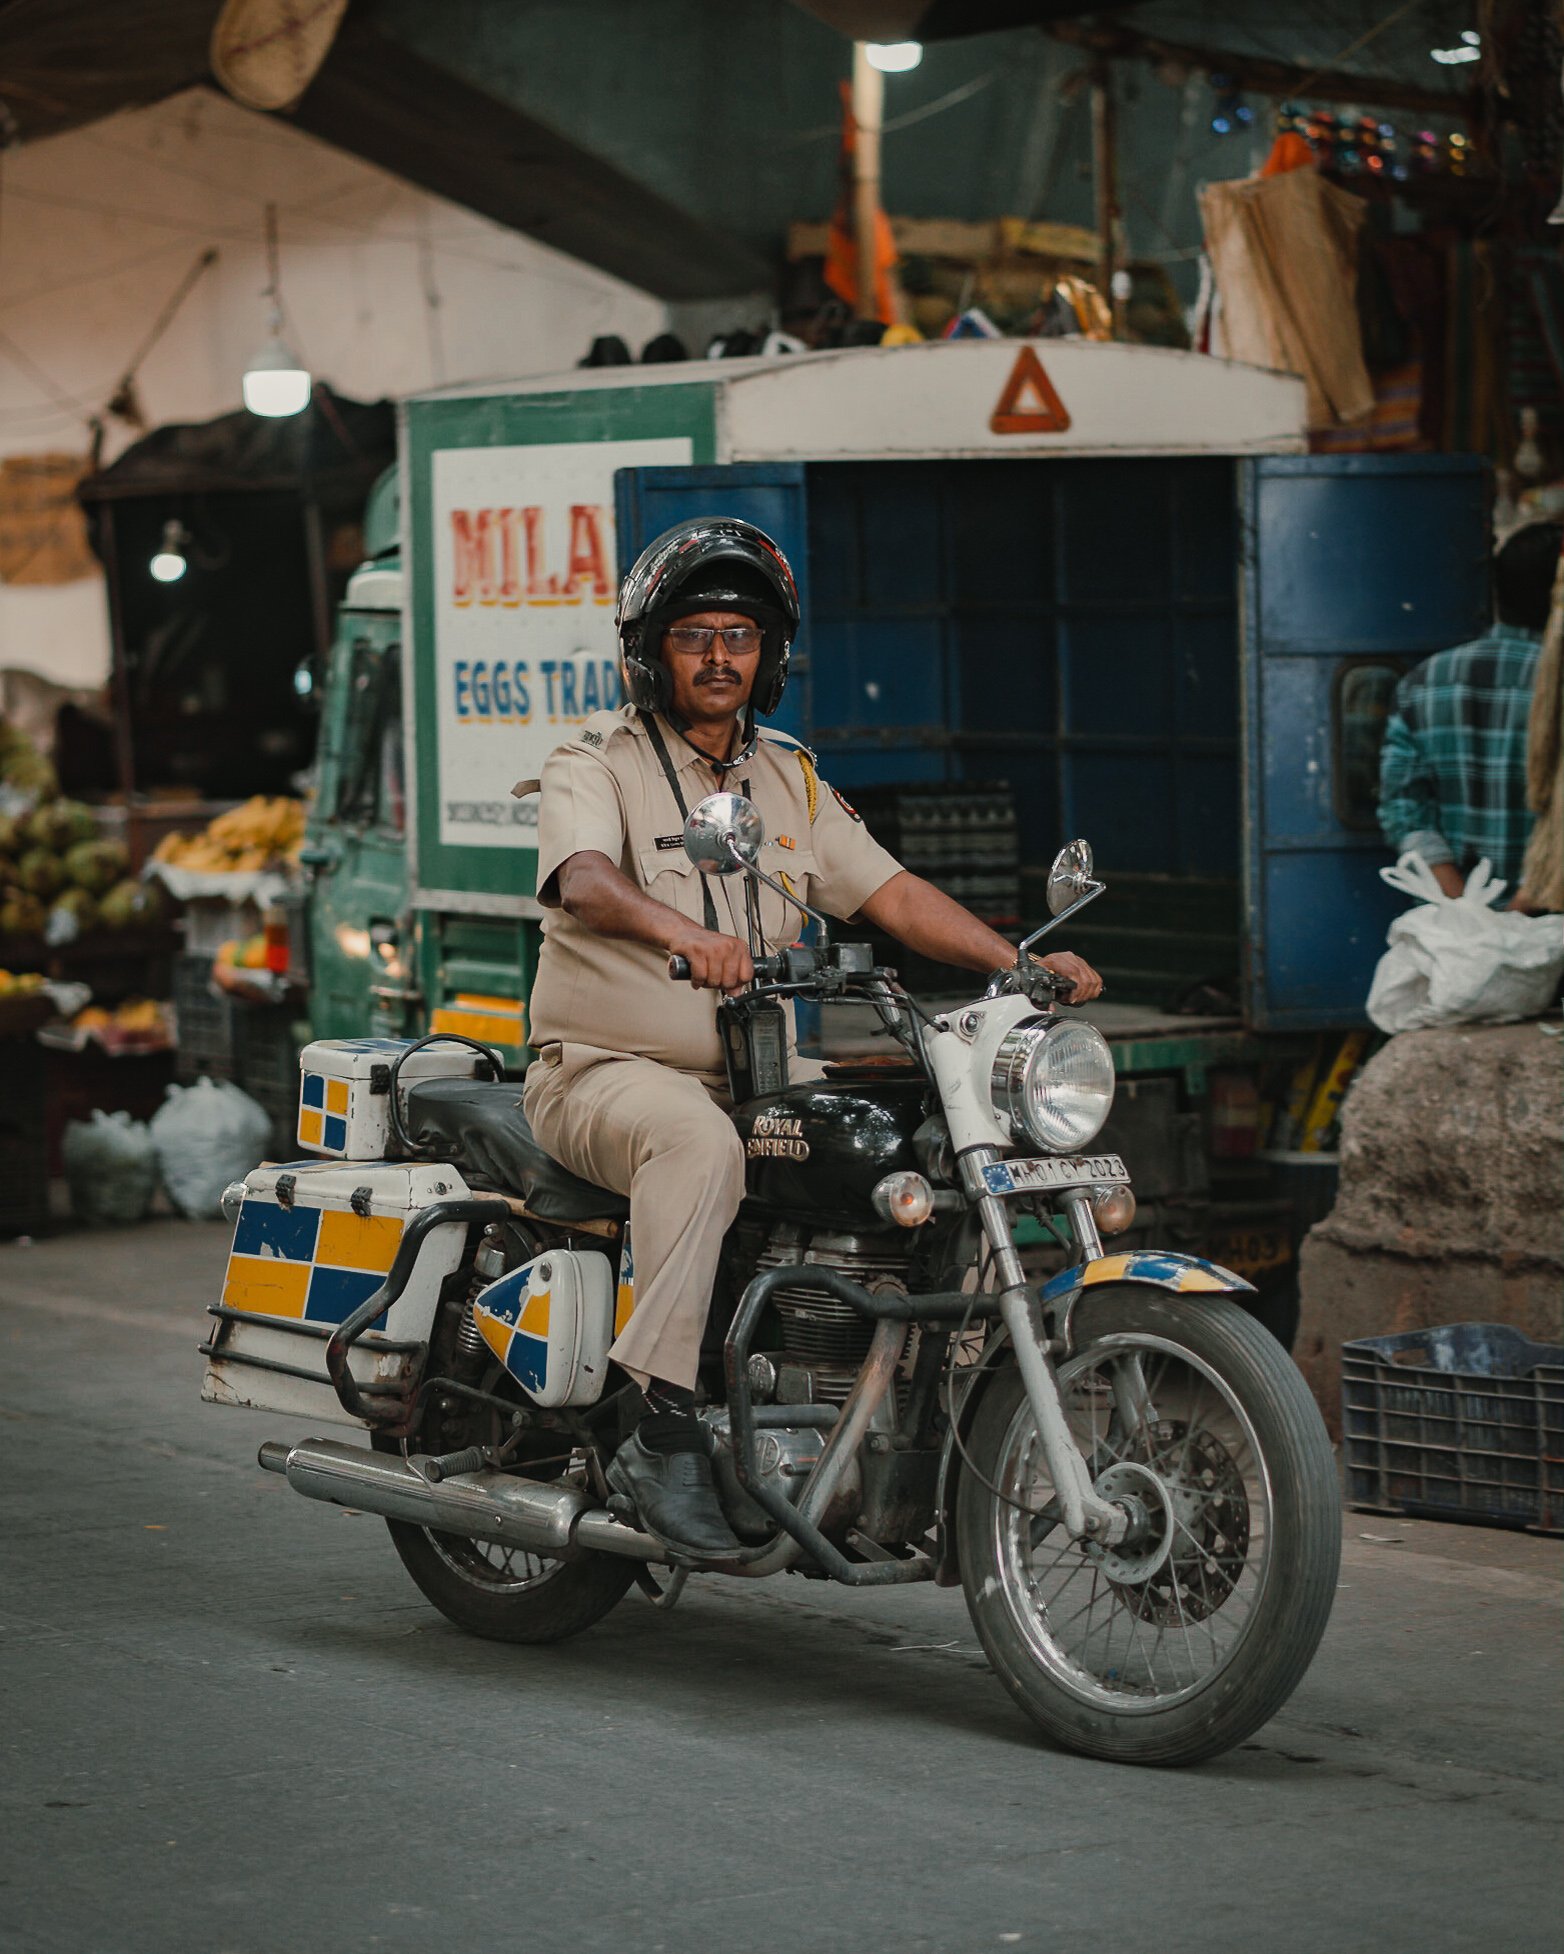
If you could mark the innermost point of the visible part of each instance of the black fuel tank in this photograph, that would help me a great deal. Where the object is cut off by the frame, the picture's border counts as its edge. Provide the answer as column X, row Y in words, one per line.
column 817, row 1150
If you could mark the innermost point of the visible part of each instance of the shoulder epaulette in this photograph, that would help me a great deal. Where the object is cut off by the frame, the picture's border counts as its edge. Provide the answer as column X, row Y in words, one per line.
column 599, row 729
column 774, row 735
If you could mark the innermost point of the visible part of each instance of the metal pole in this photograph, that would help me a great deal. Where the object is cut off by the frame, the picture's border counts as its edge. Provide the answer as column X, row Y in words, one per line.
column 119, row 677
column 868, row 114
column 1106, row 183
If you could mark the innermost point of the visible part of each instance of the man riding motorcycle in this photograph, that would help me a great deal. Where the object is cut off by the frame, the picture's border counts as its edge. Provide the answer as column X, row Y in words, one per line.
column 629, row 1089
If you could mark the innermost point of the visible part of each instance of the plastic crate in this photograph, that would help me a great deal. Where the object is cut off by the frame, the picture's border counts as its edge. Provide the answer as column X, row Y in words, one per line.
column 1465, row 1422
column 268, row 1066
column 207, row 1023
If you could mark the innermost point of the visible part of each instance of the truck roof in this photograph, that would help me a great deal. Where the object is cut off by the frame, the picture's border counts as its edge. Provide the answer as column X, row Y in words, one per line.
column 962, row 397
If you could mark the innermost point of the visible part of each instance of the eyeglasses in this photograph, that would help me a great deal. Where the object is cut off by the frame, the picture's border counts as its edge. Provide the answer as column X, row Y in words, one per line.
column 740, row 639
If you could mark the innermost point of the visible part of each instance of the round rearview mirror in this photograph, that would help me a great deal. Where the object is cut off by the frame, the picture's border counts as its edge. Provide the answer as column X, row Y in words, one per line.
column 723, row 834
column 1070, row 877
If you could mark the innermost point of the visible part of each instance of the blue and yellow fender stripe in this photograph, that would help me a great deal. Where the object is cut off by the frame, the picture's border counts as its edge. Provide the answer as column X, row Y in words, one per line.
column 1183, row 1275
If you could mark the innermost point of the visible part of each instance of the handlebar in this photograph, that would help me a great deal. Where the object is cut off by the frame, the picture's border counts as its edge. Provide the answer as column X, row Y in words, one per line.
column 768, row 970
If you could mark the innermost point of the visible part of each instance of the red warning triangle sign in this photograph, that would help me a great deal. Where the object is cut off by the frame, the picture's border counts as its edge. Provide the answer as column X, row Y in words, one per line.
column 1029, row 404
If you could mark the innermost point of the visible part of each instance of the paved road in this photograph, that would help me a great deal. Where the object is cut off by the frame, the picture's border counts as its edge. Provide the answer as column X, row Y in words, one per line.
column 233, row 1727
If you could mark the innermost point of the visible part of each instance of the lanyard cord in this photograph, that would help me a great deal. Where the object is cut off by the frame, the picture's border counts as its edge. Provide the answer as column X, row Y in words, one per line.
column 660, row 748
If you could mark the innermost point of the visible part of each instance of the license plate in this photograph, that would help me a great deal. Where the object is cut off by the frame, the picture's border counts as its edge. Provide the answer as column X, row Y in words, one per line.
column 1252, row 1252
column 1041, row 1176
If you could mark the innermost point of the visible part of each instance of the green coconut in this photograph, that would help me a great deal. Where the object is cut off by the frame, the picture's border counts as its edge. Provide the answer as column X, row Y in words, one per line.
column 59, row 825
column 26, row 771
column 96, row 865
column 81, row 905
column 132, row 905
column 21, row 914
column 41, row 873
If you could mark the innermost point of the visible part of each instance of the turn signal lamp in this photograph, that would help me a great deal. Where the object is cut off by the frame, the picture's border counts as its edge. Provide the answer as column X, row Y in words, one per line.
column 1113, row 1209
column 907, row 1199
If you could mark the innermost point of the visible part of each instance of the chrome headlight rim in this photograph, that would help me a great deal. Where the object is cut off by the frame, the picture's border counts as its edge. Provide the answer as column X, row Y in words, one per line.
column 1023, row 1049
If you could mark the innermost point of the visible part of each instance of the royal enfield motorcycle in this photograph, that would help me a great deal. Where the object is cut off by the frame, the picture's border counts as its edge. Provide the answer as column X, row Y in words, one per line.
column 1118, row 1465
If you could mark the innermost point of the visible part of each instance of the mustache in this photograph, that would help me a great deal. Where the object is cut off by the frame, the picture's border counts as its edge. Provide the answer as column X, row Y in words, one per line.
column 721, row 675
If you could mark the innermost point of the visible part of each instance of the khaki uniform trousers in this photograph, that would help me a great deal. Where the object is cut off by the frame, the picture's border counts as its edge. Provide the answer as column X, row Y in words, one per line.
column 666, row 1141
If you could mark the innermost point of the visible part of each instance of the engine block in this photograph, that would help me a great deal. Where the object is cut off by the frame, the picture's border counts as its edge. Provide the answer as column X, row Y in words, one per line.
column 824, row 1341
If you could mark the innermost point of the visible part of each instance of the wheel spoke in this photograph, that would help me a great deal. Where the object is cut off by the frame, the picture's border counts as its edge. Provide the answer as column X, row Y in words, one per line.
column 1115, row 1631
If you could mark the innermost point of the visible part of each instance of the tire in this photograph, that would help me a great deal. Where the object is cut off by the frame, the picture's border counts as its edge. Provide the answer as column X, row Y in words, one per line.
column 1183, row 1640
column 504, row 1594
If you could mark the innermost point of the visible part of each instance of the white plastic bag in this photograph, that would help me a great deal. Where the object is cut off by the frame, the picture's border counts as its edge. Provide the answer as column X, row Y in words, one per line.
column 111, row 1165
column 1458, row 960
column 207, row 1135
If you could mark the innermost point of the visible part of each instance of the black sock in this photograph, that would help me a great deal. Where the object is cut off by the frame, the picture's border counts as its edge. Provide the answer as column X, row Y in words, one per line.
column 670, row 1424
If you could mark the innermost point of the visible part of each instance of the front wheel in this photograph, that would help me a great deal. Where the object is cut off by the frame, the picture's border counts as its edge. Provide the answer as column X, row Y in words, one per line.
column 1183, row 1638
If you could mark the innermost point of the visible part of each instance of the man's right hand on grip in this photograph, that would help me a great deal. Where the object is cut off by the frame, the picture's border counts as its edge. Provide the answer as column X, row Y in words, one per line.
column 709, row 961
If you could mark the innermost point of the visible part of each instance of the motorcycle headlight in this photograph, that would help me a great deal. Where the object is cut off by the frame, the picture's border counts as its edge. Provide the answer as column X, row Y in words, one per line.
column 1052, row 1083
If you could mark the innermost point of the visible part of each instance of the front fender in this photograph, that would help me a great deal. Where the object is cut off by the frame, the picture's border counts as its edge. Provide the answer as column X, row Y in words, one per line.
column 1158, row 1268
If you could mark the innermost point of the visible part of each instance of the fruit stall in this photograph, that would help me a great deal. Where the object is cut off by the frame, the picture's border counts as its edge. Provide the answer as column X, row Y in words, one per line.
column 123, row 982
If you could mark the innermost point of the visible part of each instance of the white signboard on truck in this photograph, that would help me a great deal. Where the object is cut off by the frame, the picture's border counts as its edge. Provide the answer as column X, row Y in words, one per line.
column 525, row 581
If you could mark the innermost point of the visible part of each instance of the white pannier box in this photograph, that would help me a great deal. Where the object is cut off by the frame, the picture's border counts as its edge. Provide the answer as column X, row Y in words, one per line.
column 345, row 1090
column 313, row 1241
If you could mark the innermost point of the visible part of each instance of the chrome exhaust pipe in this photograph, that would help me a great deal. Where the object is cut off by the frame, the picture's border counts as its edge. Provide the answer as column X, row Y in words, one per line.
column 558, row 1520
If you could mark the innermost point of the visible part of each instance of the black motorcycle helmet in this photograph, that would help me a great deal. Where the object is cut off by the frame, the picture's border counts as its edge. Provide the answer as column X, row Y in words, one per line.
column 709, row 563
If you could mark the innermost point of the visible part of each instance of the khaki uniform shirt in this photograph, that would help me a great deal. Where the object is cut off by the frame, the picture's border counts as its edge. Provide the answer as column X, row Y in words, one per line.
column 606, row 790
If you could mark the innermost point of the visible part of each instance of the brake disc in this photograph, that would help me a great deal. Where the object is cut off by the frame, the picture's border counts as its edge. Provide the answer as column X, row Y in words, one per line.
column 1209, row 1543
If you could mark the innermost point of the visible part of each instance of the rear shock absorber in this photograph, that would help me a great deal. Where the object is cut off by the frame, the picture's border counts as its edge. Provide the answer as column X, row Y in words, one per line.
column 487, row 1266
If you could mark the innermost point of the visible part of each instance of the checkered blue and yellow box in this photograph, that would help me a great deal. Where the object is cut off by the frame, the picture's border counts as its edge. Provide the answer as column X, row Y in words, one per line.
column 308, row 1265
column 324, row 1106
column 344, row 1101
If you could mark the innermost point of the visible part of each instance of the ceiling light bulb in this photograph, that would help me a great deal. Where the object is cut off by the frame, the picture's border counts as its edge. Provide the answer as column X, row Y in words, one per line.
column 169, row 563
column 893, row 57
column 275, row 384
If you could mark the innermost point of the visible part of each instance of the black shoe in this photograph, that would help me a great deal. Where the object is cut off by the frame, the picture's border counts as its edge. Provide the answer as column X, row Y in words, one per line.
column 674, row 1496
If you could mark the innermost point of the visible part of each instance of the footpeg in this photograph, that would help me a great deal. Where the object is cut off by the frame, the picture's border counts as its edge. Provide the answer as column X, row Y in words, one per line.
column 623, row 1509
column 438, row 1466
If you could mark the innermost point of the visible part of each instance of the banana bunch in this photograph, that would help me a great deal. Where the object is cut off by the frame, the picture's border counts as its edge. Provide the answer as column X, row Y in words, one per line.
column 267, row 829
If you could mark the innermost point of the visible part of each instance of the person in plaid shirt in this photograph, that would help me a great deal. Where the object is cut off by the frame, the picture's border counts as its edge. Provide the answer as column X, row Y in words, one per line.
column 1452, row 770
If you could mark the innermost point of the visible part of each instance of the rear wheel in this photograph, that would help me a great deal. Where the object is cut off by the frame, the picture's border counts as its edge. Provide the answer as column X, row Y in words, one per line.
column 1179, row 1641
column 504, row 1593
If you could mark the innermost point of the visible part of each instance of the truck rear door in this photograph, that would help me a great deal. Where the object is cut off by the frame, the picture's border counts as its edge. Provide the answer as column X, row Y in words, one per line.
column 1354, row 568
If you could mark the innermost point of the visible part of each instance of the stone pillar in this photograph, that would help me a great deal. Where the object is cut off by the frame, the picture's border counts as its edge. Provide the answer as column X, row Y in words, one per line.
column 1451, row 1204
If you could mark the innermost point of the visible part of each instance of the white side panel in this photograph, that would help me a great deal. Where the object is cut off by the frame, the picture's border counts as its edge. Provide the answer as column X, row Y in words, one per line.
column 239, row 1373
column 940, row 399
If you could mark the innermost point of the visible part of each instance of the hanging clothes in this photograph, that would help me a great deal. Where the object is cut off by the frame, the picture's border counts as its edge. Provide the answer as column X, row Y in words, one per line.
column 1284, row 250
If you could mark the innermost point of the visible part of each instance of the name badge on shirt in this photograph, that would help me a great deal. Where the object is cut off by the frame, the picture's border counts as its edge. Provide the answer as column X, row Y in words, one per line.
column 667, row 842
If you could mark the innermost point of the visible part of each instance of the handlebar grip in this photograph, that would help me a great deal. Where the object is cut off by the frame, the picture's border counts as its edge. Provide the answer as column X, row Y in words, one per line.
column 679, row 969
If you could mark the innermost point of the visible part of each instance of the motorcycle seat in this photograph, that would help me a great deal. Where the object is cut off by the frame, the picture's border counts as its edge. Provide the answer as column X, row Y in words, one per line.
column 480, row 1123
